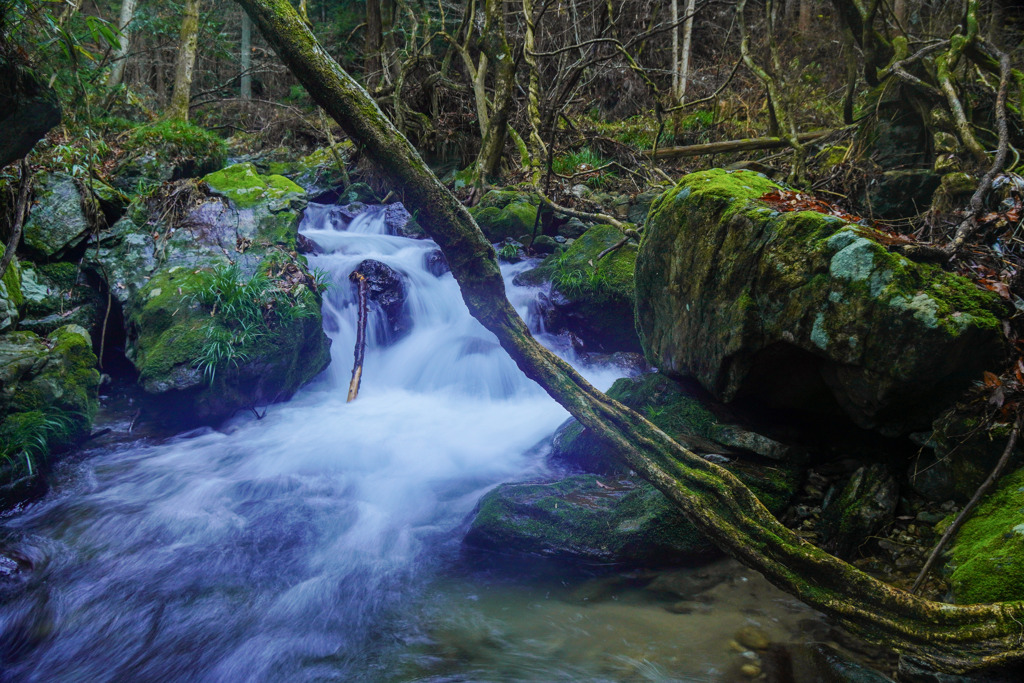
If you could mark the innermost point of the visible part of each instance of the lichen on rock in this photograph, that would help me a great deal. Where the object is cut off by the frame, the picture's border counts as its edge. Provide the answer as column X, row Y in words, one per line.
column 802, row 310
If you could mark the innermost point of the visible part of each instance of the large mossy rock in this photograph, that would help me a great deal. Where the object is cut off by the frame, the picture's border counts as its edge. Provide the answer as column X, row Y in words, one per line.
column 61, row 217
column 505, row 214
column 28, row 110
column 591, row 298
column 804, row 311
column 590, row 518
column 168, row 150
column 166, row 274
column 987, row 555
column 48, row 398
column 675, row 410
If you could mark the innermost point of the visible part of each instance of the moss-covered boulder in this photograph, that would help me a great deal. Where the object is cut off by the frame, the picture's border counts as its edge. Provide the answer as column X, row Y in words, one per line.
column 592, row 298
column 58, row 294
column 220, row 311
column 246, row 188
column 603, row 519
column 48, row 398
column 505, row 214
column 168, row 150
column 987, row 555
column 61, row 217
column 804, row 311
column 11, row 296
column 676, row 410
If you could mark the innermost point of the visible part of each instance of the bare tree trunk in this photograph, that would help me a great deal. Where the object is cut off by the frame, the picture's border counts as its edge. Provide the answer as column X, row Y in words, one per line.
column 494, row 44
column 684, row 68
column 675, row 50
column 806, row 13
column 953, row 638
column 246, row 61
column 186, row 62
column 372, row 62
column 121, row 53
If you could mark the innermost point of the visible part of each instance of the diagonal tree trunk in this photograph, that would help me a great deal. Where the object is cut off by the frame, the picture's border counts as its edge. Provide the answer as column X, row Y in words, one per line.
column 949, row 637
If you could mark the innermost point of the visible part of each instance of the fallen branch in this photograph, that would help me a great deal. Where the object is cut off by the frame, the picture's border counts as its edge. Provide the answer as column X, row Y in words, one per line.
column 357, row 366
column 20, row 209
column 744, row 145
column 978, row 495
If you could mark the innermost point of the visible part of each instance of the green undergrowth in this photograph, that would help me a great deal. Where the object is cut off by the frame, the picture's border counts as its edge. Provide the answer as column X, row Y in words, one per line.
column 27, row 438
column 582, row 160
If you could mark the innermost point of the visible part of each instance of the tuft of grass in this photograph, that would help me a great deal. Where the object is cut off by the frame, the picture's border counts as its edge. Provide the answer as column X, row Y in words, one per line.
column 582, row 160
column 27, row 438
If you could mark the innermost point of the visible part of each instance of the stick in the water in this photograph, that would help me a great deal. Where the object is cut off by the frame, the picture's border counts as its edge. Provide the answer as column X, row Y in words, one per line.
column 357, row 367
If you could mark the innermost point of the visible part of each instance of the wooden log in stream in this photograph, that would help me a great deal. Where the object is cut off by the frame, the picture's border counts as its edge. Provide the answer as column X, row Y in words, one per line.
column 357, row 366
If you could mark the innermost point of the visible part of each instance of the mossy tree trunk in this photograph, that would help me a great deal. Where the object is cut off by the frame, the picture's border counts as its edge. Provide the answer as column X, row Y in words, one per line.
column 948, row 637
column 187, row 45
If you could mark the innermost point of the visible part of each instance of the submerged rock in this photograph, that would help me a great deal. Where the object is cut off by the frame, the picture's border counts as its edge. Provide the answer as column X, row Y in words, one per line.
column 385, row 287
column 190, row 288
column 591, row 518
column 804, row 311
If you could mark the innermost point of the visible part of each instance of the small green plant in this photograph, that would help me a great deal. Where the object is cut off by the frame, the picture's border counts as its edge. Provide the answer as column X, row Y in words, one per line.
column 28, row 437
column 508, row 251
column 322, row 280
column 584, row 160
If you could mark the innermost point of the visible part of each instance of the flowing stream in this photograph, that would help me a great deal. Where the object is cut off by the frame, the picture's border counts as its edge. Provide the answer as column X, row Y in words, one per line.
column 322, row 542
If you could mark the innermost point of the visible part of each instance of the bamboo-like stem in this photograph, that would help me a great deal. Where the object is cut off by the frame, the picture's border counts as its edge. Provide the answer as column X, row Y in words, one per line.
column 360, row 351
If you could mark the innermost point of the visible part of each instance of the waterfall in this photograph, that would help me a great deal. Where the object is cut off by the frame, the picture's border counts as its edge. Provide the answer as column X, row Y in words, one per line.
column 282, row 548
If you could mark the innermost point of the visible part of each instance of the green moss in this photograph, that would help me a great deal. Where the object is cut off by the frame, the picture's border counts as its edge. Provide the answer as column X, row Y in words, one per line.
column 513, row 220
column 245, row 187
column 177, row 142
column 10, row 286
column 988, row 553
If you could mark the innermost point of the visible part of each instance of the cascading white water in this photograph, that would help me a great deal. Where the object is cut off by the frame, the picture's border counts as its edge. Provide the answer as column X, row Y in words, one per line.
column 271, row 550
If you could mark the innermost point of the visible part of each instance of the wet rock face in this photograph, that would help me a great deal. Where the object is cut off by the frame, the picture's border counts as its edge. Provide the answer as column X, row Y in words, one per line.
column 437, row 264
column 61, row 217
column 804, row 312
column 865, row 504
column 385, row 287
